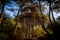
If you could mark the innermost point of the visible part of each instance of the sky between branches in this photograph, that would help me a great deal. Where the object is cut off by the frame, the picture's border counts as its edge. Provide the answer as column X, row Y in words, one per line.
column 14, row 6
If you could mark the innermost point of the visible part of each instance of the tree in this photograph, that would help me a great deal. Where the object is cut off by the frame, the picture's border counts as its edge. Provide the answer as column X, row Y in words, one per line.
column 43, row 18
column 3, row 2
column 17, row 17
column 6, row 28
column 32, row 17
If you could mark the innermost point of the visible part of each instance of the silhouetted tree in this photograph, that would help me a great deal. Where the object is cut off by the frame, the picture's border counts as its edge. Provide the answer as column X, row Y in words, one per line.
column 17, row 17
column 3, row 2
column 43, row 18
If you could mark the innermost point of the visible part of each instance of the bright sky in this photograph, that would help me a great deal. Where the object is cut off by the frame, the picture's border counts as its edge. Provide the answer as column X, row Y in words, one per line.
column 47, row 11
column 12, row 5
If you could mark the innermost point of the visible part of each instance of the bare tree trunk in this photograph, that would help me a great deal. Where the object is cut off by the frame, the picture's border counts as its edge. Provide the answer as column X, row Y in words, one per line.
column 17, row 18
column 49, row 13
column 3, row 2
column 2, row 13
column 43, row 20
column 15, row 28
column 53, row 15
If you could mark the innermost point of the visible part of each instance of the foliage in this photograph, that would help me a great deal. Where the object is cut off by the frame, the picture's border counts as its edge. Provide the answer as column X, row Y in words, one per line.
column 39, row 31
column 6, row 28
column 58, row 19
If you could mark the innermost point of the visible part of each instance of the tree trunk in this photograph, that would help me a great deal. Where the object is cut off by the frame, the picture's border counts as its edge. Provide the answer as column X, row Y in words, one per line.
column 2, row 13
column 49, row 13
column 15, row 28
column 43, row 20
column 53, row 15
column 17, row 18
